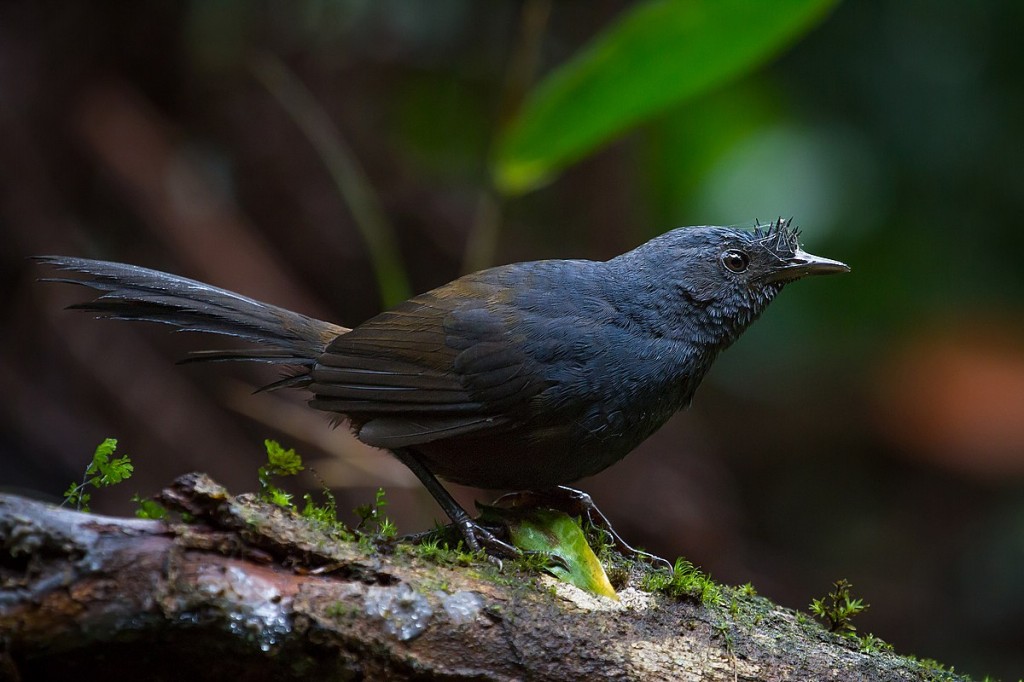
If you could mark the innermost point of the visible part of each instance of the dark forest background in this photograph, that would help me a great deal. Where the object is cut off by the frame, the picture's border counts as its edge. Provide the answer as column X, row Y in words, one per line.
column 333, row 156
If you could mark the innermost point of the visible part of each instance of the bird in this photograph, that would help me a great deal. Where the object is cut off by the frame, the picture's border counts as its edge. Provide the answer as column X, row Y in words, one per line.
column 527, row 376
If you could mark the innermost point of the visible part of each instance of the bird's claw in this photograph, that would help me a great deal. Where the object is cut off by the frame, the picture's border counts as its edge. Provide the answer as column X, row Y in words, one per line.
column 578, row 503
column 478, row 537
column 475, row 537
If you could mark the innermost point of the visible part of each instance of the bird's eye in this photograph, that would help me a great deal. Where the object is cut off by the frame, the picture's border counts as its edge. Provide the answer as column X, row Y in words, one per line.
column 735, row 260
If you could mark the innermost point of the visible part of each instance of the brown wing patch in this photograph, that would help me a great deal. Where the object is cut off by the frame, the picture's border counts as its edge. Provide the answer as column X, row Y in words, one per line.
column 440, row 365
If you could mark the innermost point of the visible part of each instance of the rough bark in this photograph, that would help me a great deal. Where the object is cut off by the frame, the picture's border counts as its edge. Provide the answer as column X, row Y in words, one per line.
column 252, row 591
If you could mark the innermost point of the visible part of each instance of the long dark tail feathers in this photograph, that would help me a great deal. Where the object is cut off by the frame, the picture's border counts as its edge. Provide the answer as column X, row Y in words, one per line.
column 129, row 292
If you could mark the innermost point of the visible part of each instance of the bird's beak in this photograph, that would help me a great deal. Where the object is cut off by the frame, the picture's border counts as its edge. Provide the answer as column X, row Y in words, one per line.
column 802, row 264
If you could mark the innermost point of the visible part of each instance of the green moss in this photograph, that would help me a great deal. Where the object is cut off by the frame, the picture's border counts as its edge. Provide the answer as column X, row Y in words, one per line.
column 437, row 551
column 340, row 610
column 934, row 671
column 723, row 630
column 280, row 462
column 373, row 524
column 870, row 644
column 686, row 580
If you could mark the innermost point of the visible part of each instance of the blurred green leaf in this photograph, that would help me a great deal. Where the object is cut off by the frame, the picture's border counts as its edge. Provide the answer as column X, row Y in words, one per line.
column 346, row 171
column 682, row 146
column 658, row 54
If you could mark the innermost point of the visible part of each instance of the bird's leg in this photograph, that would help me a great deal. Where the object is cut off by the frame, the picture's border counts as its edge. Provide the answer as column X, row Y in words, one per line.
column 578, row 503
column 475, row 535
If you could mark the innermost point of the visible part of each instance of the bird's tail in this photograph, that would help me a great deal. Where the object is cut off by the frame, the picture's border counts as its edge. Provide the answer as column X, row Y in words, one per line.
column 129, row 292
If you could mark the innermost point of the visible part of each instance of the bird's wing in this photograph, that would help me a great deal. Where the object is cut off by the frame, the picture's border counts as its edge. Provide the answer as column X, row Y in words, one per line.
column 443, row 364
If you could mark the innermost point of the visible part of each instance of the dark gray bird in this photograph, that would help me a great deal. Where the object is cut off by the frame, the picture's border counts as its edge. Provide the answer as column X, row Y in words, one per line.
column 524, row 376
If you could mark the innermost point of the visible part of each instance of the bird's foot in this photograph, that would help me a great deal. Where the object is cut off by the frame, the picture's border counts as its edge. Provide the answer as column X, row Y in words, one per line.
column 578, row 503
column 474, row 537
column 479, row 537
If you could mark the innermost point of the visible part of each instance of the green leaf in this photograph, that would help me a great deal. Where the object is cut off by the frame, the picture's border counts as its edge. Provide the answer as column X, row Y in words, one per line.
column 115, row 471
column 72, row 494
column 559, row 535
column 658, row 54
column 105, row 471
column 101, row 456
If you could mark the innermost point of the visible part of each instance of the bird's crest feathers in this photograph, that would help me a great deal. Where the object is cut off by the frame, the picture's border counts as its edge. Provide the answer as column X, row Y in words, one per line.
column 778, row 237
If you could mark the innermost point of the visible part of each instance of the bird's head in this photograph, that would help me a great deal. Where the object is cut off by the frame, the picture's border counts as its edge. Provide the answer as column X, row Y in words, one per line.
column 720, row 263
column 725, row 277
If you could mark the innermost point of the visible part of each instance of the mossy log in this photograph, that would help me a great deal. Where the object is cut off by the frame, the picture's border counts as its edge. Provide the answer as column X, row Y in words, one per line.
column 251, row 591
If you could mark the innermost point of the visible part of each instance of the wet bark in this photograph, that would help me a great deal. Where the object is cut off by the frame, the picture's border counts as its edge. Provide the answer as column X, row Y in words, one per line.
column 250, row 591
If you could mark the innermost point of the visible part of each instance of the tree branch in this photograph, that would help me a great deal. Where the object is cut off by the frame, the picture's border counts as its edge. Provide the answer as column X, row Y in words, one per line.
column 256, row 592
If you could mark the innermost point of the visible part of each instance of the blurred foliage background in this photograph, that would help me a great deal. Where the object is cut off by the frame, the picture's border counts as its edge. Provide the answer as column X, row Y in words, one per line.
column 333, row 156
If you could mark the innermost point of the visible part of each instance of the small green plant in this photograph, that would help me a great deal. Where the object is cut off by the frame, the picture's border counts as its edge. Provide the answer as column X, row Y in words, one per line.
column 686, row 580
column 438, row 551
column 280, row 462
column 148, row 509
column 934, row 671
column 103, row 471
column 724, row 631
column 838, row 608
column 325, row 514
column 373, row 524
column 933, row 666
column 433, row 551
column 286, row 462
column 870, row 644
